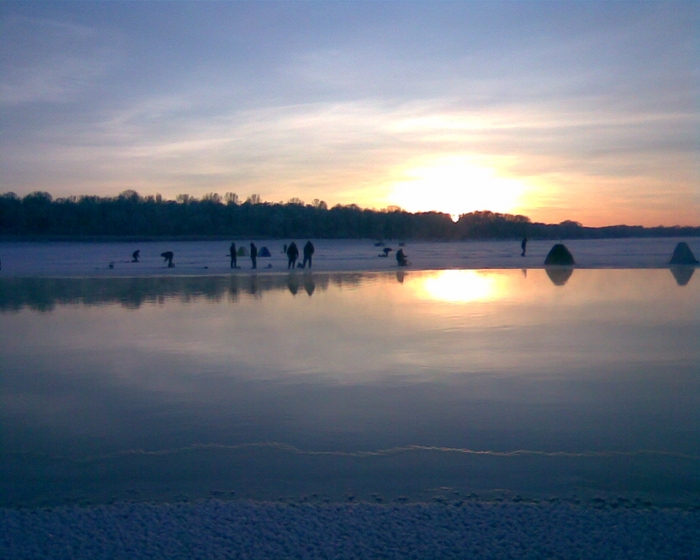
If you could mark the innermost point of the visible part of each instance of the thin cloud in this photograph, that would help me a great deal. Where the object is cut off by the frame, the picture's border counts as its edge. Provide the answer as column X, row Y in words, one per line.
column 49, row 61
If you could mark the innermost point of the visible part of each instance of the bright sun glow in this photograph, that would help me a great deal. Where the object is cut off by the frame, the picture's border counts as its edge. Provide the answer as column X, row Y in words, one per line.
column 462, row 286
column 455, row 186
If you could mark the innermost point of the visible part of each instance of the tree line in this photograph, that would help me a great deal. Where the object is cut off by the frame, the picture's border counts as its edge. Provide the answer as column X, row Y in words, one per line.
column 39, row 215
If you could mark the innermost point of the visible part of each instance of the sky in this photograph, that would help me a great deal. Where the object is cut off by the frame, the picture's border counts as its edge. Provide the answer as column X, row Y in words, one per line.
column 585, row 111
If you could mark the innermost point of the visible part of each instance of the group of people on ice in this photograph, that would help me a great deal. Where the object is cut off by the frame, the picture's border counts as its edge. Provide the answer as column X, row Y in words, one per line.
column 292, row 252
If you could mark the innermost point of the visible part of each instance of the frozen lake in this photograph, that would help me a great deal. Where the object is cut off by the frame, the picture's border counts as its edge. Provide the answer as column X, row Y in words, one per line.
column 374, row 386
column 210, row 257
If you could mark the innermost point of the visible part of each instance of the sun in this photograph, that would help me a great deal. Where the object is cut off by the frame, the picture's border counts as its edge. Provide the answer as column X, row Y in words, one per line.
column 455, row 185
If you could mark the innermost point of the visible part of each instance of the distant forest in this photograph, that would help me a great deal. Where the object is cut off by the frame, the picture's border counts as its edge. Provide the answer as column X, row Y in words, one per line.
column 129, row 215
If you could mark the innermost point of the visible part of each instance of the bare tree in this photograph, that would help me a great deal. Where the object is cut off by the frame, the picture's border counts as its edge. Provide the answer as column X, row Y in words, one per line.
column 212, row 197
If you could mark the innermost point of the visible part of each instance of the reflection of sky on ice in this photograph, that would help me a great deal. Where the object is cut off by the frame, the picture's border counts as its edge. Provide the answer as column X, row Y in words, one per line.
column 452, row 321
column 484, row 360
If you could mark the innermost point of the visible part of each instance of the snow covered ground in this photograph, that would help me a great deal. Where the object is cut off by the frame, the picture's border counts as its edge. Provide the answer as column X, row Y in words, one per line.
column 254, row 530
column 210, row 257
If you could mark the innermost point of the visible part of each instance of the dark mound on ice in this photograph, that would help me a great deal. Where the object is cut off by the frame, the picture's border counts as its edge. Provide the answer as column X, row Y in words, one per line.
column 559, row 255
column 264, row 252
column 683, row 255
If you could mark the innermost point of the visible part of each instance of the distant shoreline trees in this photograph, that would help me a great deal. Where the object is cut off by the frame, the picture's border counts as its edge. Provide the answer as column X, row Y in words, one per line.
column 130, row 215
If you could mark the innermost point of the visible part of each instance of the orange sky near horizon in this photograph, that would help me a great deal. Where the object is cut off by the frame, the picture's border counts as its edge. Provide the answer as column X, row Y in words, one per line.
column 584, row 111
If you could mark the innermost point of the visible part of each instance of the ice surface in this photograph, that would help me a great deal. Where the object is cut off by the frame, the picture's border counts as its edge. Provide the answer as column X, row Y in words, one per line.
column 210, row 257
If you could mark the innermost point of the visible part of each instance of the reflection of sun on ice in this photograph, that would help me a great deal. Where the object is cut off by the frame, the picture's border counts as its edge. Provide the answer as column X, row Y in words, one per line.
column 455, row 186
column 461, row 286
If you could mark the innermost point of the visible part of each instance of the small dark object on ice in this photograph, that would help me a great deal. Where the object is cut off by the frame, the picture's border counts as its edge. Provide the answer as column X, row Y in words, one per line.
column 385, row 252
column 559, row 275
column 135, row 255
column 560, row 255
column 682, row 273
column 682, row 254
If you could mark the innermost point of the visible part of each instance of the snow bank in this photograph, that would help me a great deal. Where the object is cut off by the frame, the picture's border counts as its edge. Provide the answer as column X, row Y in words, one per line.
column 216, row 529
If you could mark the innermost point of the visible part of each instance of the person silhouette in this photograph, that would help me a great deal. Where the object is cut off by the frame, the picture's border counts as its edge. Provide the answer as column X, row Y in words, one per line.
column 168, row 256
column 254, row 255
column 401, row 258
column 135, row 255
column 232, row 254
column 308, row 254
column 292, row 255
column 523, row 246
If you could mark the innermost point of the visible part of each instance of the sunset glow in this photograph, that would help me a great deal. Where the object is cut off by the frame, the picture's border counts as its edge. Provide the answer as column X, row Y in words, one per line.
column 583, row 111
column 456, row 186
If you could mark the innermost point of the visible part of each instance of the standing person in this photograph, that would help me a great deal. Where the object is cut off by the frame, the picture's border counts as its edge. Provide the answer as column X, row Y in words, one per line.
column 254, row 255
column 401, row 258
column 308, row 253
column 135, row 255
column 523, row 246
column 292, row 255
column 232, row 251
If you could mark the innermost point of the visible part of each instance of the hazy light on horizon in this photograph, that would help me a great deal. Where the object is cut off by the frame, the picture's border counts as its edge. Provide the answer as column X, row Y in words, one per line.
column 575, row 110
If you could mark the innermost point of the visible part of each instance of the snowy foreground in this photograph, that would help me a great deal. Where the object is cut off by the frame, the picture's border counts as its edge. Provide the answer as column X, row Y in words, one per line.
column 216, row 529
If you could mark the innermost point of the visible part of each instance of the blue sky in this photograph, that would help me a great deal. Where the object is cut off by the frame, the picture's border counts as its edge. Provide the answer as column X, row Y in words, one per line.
column 557, row 110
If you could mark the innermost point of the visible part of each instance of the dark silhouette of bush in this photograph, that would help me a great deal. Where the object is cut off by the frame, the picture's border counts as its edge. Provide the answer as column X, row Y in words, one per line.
column 682, row 254
column 559, row 255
